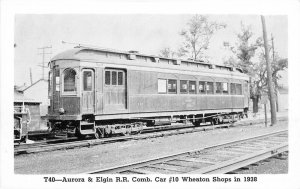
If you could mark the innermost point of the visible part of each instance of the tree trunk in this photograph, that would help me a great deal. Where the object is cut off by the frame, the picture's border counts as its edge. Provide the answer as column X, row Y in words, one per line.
column 255, row 104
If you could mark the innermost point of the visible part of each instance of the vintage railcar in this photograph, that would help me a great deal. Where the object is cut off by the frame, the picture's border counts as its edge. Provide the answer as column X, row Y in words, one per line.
column 102, row 91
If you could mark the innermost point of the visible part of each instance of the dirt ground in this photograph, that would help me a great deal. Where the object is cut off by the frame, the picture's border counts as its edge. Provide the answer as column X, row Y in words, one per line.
column 82, row 160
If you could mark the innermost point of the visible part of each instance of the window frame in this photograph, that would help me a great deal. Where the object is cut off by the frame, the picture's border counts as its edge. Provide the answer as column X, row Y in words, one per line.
column 226, row 93
column 204, row 87
column 92, row 76
column 116, row 78
column 232, row 89
column 158, row 86
column 122, row 74
column 187, row 88
column 213, row 88
column 63, row 82
column 221, row 88
column 171, row 92
column 109, row 71
column 241, row 89
column 50, row 83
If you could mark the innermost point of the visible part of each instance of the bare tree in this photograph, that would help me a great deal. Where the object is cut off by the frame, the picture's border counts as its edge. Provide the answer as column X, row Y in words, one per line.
column 197, row 36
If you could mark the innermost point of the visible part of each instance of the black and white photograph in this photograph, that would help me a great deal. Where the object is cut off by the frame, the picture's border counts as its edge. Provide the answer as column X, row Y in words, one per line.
column 156, row 99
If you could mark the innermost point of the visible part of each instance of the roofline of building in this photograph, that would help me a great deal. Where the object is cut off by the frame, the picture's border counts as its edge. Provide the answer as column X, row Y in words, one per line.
column 34, row 84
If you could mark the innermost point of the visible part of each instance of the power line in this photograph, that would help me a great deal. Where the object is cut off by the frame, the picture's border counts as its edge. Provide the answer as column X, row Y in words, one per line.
column 44, row 53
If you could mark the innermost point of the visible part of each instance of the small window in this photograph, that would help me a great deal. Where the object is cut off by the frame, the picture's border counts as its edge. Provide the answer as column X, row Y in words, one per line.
column 69, row 80
column 183, row 86
column 201, row 87
column 57, row 78
column 210, row 88
column 192, row 87
column 114, row 78
column 120, row 78
column 162, row 86
column 172, row 86
column 232, row 89
column 225, row 88
column 87, row 81
column 50, row 84
column 219, row 87
column 107, row 77
column 238, row 89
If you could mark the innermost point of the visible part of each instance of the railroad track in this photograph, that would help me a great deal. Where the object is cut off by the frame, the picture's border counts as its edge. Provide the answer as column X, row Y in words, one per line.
column 147, row 133
column 216, row 159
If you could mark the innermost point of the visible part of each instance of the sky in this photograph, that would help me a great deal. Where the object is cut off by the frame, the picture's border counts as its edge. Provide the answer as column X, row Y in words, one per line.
column 145, row 33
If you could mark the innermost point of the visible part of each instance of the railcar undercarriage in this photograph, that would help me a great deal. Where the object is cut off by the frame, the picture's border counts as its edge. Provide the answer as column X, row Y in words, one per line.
column 106, row 128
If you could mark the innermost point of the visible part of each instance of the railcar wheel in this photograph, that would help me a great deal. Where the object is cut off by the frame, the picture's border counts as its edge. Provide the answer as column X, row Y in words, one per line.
column 97, row 135
column 196, row 123
column 216, row 121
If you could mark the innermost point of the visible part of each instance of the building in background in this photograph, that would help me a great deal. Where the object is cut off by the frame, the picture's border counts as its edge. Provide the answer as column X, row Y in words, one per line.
column 39, row 92
column 282, row 95
column 27, row 115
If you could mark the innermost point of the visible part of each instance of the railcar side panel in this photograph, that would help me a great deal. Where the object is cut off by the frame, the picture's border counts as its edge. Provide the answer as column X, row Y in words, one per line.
column 99, row 79
column 237, row 101
column 202, row 103
column 71, row 105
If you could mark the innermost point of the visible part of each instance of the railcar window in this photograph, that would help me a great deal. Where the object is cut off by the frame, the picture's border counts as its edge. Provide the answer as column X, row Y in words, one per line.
column 162, row 86
column 114, row 78
column 219, row 87
column 87, row 81
column 225, row 88
column 172, row 86
column 201, row 87
column 232, row 89
column 50, row 84
column 183, row 86
column 57, row 78
column 107, row 77
column 210, row 88
column 120, row 78
column 192, row 87
column 69, row 80
column 239, row 89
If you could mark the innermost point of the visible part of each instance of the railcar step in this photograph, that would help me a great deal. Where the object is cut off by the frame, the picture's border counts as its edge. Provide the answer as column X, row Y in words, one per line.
column 86, row 123
column 87, row 131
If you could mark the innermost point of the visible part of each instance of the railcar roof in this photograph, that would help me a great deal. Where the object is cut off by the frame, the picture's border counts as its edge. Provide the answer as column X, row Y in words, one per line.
column 80, row 53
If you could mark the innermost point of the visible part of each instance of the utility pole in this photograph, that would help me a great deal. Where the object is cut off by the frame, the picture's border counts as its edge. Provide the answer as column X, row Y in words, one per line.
column 42, row 64
column 273, row 56
column 273, row 50
column 269, row 74
column 30, row 76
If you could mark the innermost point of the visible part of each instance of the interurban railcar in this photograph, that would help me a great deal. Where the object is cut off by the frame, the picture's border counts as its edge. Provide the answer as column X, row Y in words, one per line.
column 101, row 91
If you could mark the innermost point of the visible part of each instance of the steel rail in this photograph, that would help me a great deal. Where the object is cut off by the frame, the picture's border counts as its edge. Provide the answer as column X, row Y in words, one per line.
column 230, row 165
column 44, row 146
column 179, row 129
column 237, row 163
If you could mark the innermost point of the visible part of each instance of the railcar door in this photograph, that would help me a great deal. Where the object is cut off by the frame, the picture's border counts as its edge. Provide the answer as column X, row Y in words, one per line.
column 88, row 91
column 114, row 91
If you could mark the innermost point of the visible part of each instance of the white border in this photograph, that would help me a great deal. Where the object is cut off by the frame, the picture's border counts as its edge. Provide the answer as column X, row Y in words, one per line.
column 268, row 7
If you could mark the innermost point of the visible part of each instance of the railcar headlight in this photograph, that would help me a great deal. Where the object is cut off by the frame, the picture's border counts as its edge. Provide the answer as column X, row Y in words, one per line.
column 61, row 110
